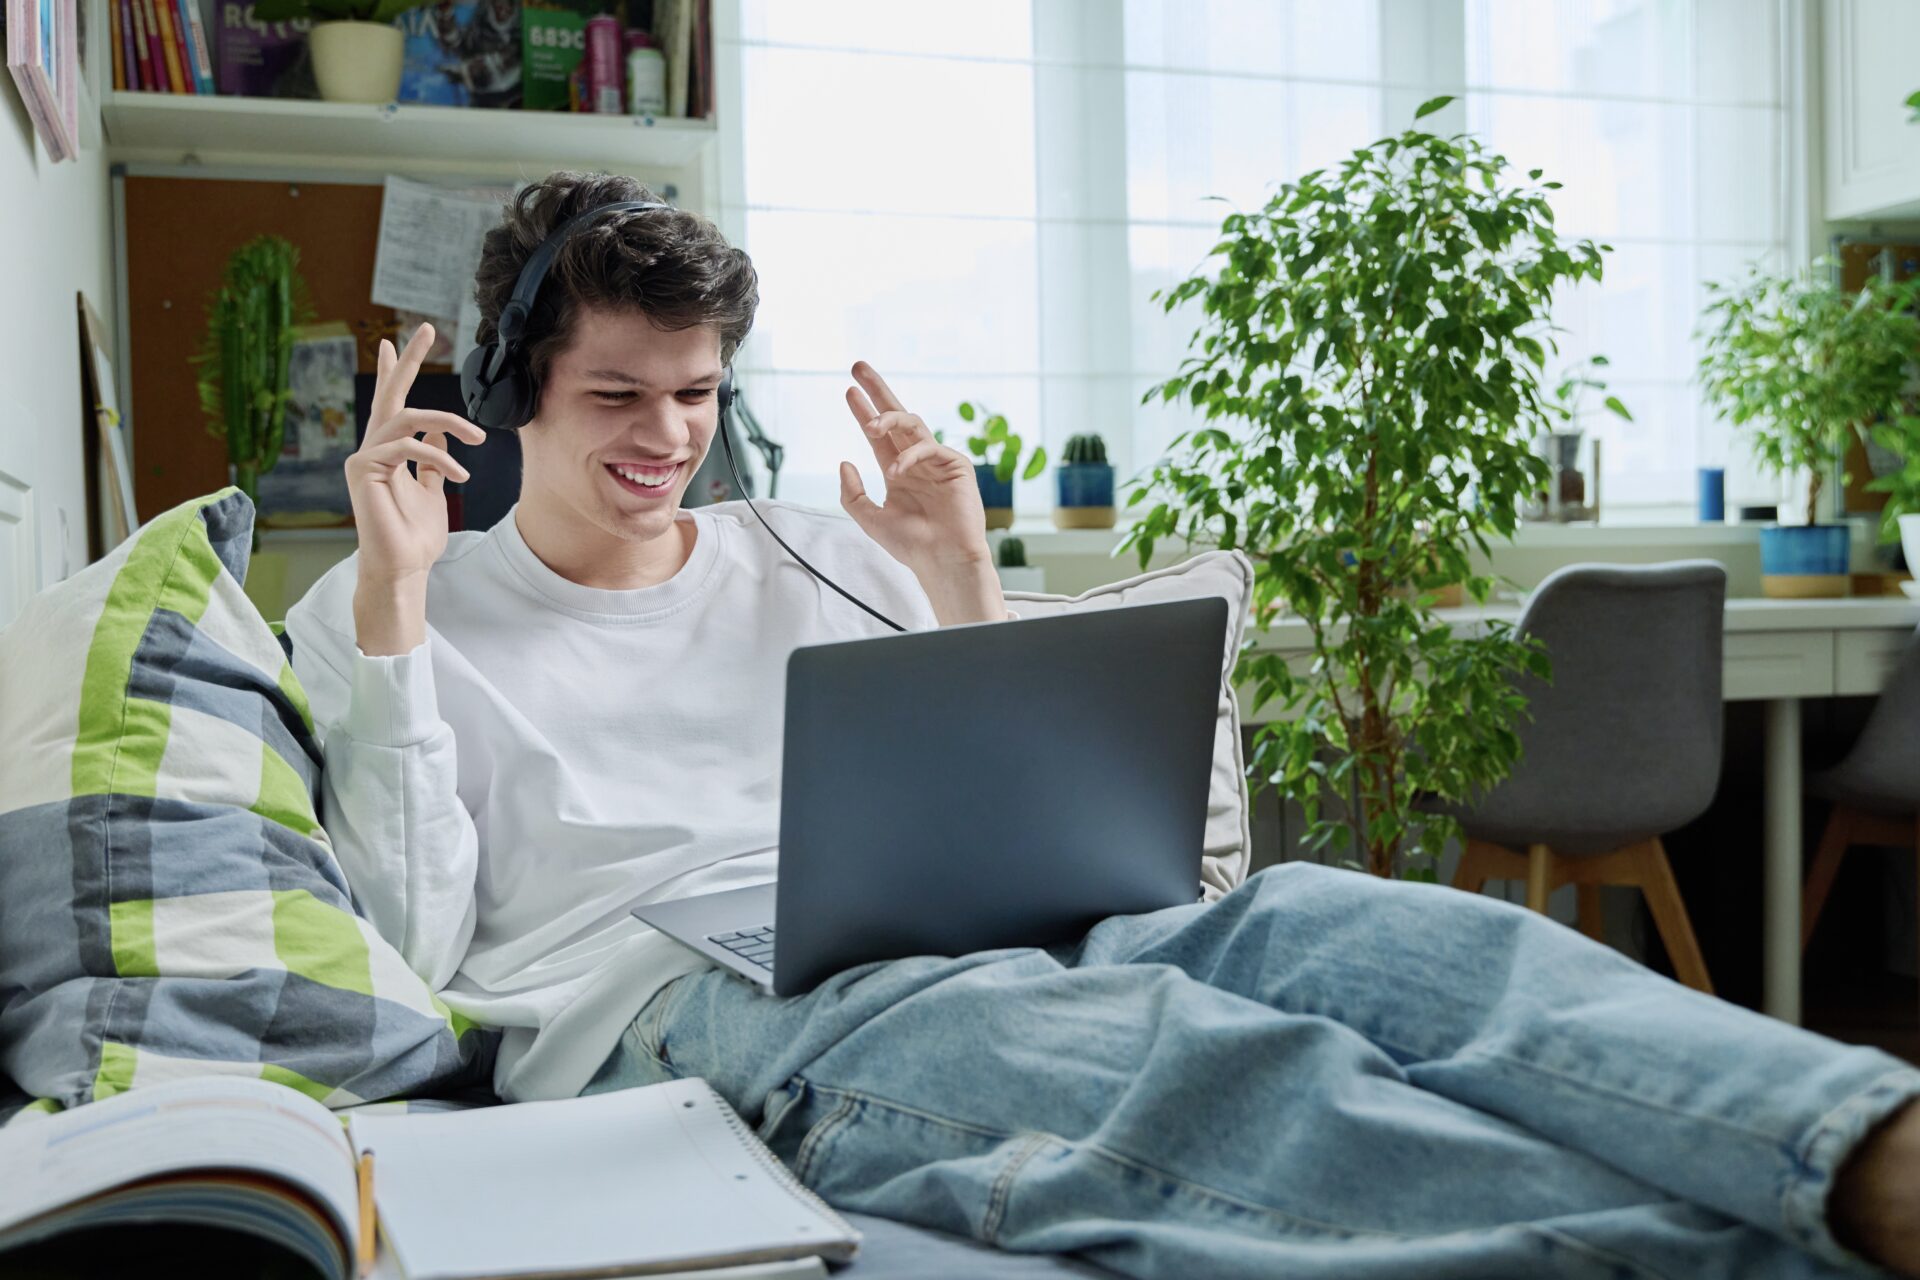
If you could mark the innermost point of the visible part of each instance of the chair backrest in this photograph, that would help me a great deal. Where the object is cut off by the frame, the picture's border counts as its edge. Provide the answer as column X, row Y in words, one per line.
column 1624, row 741
column 1884, row 765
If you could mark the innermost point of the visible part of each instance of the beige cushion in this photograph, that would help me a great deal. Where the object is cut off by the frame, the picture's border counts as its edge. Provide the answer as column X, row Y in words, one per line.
column 1229, row 575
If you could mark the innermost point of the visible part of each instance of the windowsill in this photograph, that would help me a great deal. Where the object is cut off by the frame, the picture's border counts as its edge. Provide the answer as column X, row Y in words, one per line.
column 1041, row 537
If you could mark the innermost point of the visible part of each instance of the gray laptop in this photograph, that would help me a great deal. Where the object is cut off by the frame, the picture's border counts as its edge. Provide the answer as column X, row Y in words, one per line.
column 989, row 785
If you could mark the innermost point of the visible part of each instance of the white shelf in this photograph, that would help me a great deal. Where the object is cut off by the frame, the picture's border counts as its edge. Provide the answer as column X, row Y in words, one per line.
column 169, row 128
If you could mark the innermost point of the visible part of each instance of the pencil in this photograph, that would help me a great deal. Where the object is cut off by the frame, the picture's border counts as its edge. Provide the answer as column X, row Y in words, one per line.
column 367, row 1225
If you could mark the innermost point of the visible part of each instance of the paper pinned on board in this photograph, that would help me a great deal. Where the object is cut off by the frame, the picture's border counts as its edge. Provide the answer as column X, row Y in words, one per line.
column 430, row 239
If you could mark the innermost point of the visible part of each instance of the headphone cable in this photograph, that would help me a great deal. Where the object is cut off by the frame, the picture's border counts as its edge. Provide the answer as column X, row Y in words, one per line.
column 726, row 444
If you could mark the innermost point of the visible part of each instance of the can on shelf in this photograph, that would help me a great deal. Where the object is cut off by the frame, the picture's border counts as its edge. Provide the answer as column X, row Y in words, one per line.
column 605, row 78
column 646, row 77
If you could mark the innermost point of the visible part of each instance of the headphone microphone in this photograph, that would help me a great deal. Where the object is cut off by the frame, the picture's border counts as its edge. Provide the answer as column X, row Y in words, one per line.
column 501, row 393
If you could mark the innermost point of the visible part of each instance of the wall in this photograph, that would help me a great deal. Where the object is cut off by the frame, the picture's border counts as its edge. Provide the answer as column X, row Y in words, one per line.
column 56, row 234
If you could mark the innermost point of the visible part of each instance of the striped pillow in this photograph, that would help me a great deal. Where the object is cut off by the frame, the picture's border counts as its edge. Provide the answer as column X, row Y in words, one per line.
column 169, row 905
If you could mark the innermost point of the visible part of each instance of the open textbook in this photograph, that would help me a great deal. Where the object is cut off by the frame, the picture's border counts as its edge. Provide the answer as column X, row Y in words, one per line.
column 661, row 1180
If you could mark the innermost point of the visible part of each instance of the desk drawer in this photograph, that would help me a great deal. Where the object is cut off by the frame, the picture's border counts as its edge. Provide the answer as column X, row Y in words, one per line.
column 1776, row 664
column 1863, row 661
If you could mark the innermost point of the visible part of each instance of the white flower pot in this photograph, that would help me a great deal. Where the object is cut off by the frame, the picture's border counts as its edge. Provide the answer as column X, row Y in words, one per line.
column 356, row 61
column 1026, row 577
column 1910, row 542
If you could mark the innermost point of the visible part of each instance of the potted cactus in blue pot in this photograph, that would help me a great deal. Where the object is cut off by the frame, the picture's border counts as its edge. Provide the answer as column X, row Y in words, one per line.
column 1083, row 485
column 998, row 448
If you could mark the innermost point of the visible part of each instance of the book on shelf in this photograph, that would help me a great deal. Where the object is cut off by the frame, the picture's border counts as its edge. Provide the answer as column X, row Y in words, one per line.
column 462, row 53
column 660, row 1179
column 196, row 36
column 256, row 59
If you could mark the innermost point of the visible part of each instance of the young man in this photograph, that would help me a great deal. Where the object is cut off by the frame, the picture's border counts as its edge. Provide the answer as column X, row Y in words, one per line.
column 531, row 729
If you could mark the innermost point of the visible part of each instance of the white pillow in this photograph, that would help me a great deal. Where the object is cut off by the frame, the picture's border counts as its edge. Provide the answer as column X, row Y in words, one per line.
column 1229, row 575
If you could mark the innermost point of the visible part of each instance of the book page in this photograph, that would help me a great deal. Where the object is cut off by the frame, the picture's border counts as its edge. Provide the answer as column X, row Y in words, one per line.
column 202, row 1123
column 638, row 1178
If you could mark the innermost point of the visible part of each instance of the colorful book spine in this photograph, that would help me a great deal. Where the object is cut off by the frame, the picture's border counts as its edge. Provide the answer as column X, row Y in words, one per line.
column 202, row 57
column 130, row 51
column 169, row 50
column 143, row 45
column 183, row 48
column 156, row 51
column 113, row 40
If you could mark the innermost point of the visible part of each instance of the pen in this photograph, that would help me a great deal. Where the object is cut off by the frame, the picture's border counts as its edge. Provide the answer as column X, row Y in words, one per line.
column 367, row 1226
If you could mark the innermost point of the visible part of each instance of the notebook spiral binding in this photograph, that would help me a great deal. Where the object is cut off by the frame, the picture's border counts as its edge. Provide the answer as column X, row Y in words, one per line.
column 782, row 1176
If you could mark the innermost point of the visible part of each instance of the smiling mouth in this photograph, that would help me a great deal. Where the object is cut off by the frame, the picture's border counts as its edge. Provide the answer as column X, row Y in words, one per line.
column 645, row 481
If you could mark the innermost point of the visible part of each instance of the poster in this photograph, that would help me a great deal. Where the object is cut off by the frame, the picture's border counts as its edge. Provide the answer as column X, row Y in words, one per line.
column 308, row 485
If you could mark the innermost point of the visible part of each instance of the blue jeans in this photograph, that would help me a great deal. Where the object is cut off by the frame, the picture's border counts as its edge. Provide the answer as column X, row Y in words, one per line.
column 1321, row 1074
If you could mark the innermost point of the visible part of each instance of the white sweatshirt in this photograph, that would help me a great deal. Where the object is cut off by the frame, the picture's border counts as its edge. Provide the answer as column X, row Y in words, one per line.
column 554, row 754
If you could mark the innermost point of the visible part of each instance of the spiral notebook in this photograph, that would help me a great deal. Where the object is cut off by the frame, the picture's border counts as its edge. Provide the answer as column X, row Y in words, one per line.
column 665, row 1178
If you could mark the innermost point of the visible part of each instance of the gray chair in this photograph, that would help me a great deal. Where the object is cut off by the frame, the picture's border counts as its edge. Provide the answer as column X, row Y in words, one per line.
column 1875, row 790
column 1621, row 746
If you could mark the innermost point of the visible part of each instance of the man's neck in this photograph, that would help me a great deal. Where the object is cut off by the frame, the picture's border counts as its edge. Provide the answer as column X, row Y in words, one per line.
column 583, row 553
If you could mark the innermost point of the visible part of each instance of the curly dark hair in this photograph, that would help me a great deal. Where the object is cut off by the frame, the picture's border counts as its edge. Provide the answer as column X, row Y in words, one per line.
column 674, row 266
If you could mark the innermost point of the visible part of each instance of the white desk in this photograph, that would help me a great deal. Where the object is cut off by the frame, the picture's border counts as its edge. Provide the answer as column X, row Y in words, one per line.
column 1776, row 652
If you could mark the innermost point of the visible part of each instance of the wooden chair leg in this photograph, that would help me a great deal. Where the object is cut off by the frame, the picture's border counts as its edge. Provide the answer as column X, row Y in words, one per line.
column 1591, row 918
column 1670, row 917
column 1471, row 875
column 1826, row 863
column 1539, row 877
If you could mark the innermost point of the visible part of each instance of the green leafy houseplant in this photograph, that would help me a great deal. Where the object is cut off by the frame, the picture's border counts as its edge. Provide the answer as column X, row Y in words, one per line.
column 997, row 445
column 243, row 358
column 1380, row 331
column 1802, row 365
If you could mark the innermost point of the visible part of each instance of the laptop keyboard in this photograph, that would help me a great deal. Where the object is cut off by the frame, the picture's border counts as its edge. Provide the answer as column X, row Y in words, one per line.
column 755, row 945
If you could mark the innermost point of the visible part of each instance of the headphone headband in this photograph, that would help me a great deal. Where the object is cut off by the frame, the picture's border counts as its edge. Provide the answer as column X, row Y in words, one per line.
column 512, row 323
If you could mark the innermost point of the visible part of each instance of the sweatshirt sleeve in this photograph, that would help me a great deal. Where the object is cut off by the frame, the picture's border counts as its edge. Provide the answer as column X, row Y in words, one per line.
column 389, row 802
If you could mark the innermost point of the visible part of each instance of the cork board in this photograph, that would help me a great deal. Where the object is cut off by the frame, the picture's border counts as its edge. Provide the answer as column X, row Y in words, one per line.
column 179, row 234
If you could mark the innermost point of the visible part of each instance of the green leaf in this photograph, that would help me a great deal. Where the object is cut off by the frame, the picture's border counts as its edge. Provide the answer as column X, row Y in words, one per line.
column 1613, row 403
column 966, row 406
column 1432, row 105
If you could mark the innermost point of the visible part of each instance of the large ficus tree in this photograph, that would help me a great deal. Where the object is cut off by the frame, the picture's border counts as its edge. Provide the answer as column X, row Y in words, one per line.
column 1376, row 336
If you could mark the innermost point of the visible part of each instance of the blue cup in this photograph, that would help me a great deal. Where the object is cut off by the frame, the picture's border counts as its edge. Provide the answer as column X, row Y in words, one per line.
column 1713, row 495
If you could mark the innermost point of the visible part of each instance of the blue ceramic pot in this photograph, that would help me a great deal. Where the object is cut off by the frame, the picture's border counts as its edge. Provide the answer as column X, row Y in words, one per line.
column 996, row 496
column 1083, row 484
column 1796, row 558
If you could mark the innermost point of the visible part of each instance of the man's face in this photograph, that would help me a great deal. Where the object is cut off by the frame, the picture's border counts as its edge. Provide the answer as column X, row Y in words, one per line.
column 625, row 416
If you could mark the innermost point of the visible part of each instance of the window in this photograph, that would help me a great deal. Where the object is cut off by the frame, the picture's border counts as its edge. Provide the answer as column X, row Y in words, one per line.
column 979, row 199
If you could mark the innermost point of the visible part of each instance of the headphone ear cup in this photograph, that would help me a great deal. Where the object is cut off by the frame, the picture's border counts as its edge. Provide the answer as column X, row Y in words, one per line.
column 506, row 403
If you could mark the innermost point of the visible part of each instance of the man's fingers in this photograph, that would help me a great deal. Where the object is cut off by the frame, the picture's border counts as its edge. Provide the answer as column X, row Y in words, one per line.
column 382, row 459
column 390, row 390
column 411, row 421
column 910, row 457
column 432, row 476
column 853, row 495
column 884, row 449
column 869, row 377
column 902, row 428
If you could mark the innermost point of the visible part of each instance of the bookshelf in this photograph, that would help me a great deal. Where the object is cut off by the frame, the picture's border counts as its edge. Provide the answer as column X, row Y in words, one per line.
column 164, row 128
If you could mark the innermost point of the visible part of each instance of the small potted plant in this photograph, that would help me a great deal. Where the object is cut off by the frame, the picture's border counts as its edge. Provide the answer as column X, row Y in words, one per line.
column 1083, row 486
column 1010, row 562
column 1899, row 434
column 1803, row 364
column 998, row 449
column 357, row 51
column 242, row 379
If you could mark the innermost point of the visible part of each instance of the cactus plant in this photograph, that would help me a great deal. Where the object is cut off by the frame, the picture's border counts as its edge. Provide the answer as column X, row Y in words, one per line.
column 1087, row 449
column 1013, row 553
column 243, row 360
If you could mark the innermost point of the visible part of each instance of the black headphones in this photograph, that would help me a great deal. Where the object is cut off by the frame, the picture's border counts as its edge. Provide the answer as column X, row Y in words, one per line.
column 501, row 393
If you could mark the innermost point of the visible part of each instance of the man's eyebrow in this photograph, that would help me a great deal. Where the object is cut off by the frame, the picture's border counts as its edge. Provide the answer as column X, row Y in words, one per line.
column 622, row 376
